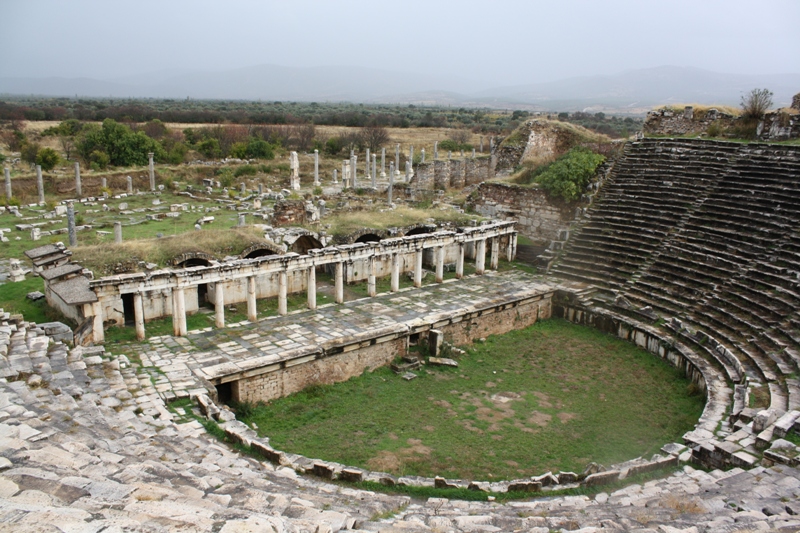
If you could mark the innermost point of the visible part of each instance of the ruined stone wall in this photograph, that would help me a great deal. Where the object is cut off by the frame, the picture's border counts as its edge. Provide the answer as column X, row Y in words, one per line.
column 368, row 354
column 498, row 323
column 537, row 218
column 779, row 126
column 327, row 370
column 667, row 121
column 443, row 174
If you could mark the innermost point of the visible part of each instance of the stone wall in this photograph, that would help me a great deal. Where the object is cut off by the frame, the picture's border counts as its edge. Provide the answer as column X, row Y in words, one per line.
column 667, row 121
column 516, row 316
column 537, row 218
column 779, row 126
column 445, row 174
column 317, row 371
column 285, row 374
column 775, row 126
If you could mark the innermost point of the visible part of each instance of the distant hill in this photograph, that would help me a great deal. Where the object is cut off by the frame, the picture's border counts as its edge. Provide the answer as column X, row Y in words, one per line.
column 632, row 91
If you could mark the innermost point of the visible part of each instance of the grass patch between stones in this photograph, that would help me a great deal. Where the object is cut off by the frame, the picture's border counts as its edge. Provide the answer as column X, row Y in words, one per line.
column 553, row 396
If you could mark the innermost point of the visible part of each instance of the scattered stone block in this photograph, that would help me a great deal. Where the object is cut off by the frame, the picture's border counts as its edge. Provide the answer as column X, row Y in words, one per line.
column 442, row 361
column 35, row 295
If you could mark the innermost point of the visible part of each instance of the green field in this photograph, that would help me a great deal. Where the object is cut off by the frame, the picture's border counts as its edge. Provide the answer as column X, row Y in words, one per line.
column 553, row 396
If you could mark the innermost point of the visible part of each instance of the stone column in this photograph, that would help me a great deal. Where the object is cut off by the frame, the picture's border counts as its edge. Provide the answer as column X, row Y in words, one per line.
column 73, row 238
column 395, row 272
column 511, row 249
column 152, row 171
column 78, row 188
column 117, row 232
column 418, row 268
column 374, row 171
column 480, row 257
column 383, row 162
column 481, row 143
column 335, row 177
column 371, row 276
column 435, row 150
column 422, row 153
column 460, row 261
column 130, row 185
column 98, row 335
column 312, row 287
column 138, row 315
column 397, row 158
column 353, row 171
column 260, row 189
column 439, row 264
column 391, row 182
column 252, row 311
column 242, row 189
column 241, row 220
column 282, row 292
column 7, row 175
column 408, row 171
column 345, row 166
column 473, row 153
column 495, row 260
column 178, row 312
column 411, row 159
column 366, row 165
column 449, row 155
column 40, row 183
column 316, row 168
column 103, row 183
column 339, row 282
column 219, row 305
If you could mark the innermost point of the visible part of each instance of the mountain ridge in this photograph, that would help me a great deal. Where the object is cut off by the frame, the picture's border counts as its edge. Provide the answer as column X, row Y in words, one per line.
column 631, row 89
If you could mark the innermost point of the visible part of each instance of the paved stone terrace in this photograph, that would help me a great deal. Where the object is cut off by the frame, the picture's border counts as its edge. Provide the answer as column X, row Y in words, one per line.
column 211, row 353
column 87, row 444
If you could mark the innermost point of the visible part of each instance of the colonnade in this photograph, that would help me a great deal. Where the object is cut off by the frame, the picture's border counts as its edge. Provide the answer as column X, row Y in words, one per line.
column 294, row 263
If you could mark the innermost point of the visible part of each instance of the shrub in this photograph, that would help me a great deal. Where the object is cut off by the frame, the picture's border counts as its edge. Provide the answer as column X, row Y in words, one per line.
column 333, row 146
column 98, row 160
column 569, row 175
column 245, row 170
column 47, row 158
column 756, row 103
column 29, row 151
column 209, row 148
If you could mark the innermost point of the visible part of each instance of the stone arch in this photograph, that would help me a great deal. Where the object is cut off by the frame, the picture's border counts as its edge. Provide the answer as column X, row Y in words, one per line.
column 192, row 259
column 363, row 235
column 419, row 229
column 261, row 249
column 368, row 237
column 305, row 243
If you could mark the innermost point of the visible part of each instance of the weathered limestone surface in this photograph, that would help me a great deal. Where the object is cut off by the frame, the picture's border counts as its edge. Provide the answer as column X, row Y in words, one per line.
column 536, row 216
column 87, row 443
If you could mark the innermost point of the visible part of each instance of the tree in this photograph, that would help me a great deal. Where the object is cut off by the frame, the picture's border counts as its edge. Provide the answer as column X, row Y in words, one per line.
column 756, row 103
column 374, row 137
column 461, row 137
column 122, row 146
column 47, row 158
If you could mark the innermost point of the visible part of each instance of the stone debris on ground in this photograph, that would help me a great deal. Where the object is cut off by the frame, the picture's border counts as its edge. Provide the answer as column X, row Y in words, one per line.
column 90, row 442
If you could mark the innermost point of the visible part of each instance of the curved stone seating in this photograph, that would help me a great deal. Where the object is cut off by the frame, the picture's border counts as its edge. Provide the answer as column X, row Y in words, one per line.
column 728, row 264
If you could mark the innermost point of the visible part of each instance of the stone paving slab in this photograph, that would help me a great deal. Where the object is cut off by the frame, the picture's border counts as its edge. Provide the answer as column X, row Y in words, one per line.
column 216, row 353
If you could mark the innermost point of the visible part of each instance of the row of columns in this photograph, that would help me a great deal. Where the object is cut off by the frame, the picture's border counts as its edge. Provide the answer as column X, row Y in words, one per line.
column 179, row 302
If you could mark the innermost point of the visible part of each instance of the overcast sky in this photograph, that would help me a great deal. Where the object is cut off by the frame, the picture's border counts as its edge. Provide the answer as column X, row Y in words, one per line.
column 507, row 41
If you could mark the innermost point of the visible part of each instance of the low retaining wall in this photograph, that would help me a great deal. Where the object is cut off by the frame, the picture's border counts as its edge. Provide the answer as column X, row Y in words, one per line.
column 274, row 376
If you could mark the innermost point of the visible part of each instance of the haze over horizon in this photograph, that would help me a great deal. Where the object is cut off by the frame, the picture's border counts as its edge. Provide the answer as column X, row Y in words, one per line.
column 472, row 46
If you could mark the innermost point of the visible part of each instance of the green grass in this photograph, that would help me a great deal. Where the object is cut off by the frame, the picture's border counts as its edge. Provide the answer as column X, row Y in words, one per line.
column 13, row 300
column 577, row 395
